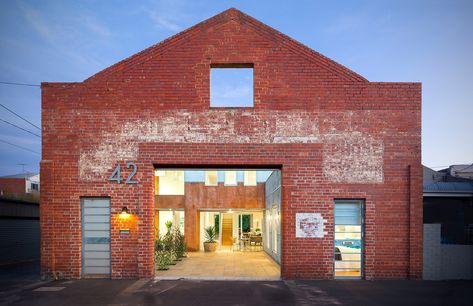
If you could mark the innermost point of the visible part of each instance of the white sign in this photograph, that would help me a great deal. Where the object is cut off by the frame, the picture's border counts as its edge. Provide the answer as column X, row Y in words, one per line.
column 309, row 225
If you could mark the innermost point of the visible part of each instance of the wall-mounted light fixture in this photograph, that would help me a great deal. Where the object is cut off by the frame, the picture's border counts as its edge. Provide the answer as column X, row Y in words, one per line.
column 124, row 224
column 124, row 211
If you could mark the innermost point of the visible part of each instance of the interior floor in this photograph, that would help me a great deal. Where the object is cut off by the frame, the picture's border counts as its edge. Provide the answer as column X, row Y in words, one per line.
column 225, row 265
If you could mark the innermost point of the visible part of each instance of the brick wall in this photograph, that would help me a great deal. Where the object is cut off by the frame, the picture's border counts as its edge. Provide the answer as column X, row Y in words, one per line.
column 12, row 186
column 332, row 133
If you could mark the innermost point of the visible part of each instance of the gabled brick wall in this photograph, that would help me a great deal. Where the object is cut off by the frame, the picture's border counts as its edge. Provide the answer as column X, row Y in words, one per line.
column 332, row 133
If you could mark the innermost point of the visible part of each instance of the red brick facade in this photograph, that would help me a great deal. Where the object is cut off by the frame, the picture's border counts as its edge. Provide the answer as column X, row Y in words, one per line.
column 331, row 132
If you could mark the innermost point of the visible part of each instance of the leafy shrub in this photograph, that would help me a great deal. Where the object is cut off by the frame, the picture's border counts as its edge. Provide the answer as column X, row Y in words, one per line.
column 163, row 259
column 169, row 248
column 179, row 243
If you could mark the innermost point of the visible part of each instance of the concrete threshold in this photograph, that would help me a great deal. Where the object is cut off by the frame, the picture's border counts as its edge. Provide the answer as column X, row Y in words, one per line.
column 218, row 278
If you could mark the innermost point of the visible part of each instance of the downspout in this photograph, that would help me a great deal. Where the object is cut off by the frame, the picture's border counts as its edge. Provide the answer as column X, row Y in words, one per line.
column 409, row 218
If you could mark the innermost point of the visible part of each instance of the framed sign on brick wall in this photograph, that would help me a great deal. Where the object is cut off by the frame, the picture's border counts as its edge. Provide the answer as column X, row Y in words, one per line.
column 309, row 225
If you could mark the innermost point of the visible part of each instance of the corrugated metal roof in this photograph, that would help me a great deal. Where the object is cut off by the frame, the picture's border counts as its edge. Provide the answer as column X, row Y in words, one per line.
column 20, row 175
column 462, row 168
column 449, row 187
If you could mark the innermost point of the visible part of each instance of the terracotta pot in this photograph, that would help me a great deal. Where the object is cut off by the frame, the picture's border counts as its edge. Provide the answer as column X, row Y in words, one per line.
column 210, row 246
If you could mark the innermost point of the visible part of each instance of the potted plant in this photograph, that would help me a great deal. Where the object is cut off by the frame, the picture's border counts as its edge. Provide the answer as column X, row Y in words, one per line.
column 210, row 245
column 168, row 226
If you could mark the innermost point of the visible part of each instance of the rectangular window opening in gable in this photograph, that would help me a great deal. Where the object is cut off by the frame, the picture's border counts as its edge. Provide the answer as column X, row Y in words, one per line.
column 231, row 85
column 231, row 178
column 249, row 178
column 211, row 178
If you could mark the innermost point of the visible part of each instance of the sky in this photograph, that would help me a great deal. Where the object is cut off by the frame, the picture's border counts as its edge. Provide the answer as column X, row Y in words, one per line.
column 231, row 87
column 392, row 41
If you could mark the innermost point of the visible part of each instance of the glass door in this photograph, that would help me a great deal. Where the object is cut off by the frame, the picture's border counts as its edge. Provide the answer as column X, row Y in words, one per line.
column 348, row 252
column 275, row 228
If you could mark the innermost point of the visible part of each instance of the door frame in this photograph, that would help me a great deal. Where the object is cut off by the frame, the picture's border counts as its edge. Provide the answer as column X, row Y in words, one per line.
column 82, row 199
column 361, row 202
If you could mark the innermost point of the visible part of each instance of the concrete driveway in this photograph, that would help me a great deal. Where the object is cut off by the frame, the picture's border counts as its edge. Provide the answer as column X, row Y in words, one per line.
column 223, row 265
column 180, row 292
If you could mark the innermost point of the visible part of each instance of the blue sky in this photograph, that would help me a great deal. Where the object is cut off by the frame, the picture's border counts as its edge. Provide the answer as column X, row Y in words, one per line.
column 423, row 41
column 231, row 87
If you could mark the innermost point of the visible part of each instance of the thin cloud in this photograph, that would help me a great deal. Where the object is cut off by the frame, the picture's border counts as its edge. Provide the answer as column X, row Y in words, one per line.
column 167, row 15
column 96, row 27
column 67, row 36
column 228, row 92
column 162, row 22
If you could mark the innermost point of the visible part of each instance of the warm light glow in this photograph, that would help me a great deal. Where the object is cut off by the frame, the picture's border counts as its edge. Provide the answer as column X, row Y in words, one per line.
column 249, row 178
column 211, row 178
column 124, row 213
column 230, row 178
column 171, row 183
column 159, row 172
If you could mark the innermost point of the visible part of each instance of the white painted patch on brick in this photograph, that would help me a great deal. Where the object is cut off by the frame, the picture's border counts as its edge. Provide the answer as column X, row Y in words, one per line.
column 234, row 126
column 353, row 158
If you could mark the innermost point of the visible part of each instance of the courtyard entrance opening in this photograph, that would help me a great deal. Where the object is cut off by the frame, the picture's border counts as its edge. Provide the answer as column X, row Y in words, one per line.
column 218, row 223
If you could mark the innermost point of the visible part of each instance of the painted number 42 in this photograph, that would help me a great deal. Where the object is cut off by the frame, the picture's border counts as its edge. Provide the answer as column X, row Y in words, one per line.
column 116, row 175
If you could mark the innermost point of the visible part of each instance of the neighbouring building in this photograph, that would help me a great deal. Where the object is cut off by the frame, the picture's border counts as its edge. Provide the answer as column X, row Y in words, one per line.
column 20, row 185
column 19, row 231
column 319, row 168
column 461, row 171
column 448, row 224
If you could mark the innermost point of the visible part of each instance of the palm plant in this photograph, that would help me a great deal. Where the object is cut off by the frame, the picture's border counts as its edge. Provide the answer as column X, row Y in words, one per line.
column 210, row 234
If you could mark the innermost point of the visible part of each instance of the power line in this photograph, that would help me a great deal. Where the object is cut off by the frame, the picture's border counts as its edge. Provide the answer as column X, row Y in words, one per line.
column 20, row 84
column 19, row 127
column 12, row 144
column 20, row 116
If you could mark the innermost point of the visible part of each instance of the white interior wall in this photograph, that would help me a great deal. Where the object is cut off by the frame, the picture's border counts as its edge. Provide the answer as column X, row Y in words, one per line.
column 257, row 220
column 164, row 216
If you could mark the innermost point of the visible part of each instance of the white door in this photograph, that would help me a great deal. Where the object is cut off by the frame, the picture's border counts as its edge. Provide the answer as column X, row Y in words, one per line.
column 96, row 237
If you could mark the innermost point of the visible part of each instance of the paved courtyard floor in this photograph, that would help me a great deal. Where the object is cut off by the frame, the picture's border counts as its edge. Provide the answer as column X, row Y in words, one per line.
column 223, row 265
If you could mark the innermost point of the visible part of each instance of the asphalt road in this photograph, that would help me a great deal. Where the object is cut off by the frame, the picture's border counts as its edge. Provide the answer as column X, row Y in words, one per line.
column 20, row 285
column 141, row 292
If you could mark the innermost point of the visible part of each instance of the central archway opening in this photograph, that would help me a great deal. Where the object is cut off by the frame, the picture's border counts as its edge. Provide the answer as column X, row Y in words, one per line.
column 228, row 218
